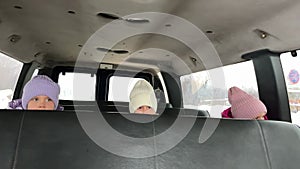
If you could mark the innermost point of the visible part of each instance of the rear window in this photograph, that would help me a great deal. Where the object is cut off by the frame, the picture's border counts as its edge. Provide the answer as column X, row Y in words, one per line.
column 120, row 87
column 86, row 82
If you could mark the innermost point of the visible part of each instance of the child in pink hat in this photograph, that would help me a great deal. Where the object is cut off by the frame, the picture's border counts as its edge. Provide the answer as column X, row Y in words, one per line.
column 244, row 106
column 40, row 93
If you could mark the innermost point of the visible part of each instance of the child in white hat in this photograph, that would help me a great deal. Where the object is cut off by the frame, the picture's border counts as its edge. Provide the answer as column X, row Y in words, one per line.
column 142, row 98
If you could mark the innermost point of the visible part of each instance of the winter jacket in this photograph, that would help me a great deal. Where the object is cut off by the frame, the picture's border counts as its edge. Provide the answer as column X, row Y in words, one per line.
column 227, row 114
column 17, row 104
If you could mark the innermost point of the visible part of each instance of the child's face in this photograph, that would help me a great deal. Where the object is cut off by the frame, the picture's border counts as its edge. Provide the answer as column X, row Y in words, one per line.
column 145, row 110
column 40, row 103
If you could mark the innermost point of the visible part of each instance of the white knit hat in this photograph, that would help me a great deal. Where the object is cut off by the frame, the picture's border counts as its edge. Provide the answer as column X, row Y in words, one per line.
column 142, row 94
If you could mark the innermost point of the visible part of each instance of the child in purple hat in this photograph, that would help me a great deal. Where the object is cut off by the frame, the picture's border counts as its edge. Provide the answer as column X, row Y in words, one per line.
column 40, row 93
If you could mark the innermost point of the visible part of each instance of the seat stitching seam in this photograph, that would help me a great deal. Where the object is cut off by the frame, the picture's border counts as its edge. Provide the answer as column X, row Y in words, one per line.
column 15, row 159
column 265, row 146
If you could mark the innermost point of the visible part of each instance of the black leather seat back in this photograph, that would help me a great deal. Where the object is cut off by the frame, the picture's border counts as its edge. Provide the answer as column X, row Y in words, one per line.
column 57, row 140
column 282, row 144
column 10, row 122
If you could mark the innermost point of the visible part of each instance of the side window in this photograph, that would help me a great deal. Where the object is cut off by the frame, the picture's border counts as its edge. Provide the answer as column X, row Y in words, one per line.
column 291, row 70
column 10, row 70
column 87, row 81
column 120, row 87
column 36, row 71
column 165, row 92
column 199, row 92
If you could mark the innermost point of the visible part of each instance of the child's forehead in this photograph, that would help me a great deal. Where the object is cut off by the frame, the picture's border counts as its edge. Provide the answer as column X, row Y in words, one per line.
column 41, row 96
column 144, row 106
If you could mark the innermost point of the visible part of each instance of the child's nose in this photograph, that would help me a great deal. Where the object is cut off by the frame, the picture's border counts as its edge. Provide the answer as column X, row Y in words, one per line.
column 145, row 108
column 42, row 103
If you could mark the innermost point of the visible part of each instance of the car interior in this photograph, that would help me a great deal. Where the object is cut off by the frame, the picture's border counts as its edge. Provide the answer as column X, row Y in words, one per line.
column 159, row 41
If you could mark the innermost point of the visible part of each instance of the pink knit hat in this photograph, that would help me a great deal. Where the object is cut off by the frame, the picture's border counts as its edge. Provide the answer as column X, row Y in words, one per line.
column 244, row 105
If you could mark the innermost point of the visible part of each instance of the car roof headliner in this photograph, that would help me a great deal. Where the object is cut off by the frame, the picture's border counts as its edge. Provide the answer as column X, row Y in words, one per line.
column 53, row 32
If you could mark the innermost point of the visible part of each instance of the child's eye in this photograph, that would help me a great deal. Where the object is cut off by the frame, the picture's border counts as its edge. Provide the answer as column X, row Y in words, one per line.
column 48, row 100
column 35, row 99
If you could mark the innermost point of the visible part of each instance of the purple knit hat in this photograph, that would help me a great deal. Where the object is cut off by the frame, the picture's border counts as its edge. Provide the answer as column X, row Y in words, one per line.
column 244, row 105
column 40, row 85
